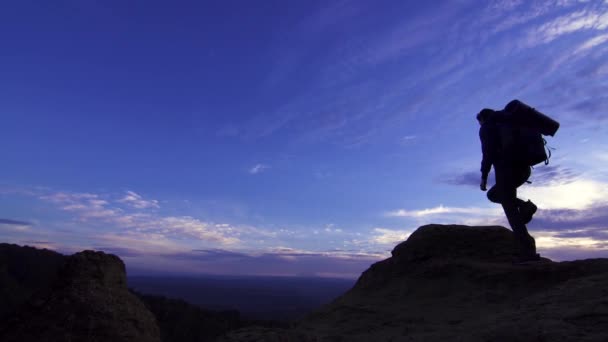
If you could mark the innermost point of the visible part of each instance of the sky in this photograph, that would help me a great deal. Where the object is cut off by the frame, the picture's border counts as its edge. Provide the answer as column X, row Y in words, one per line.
column 291, row 138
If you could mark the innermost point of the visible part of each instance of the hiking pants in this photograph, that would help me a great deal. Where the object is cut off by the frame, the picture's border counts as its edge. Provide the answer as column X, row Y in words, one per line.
column 504, row 192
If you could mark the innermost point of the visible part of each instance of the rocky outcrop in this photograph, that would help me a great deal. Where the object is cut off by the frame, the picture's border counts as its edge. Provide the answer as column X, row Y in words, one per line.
column 89, row 302
column 25, row 271
column 457, row 283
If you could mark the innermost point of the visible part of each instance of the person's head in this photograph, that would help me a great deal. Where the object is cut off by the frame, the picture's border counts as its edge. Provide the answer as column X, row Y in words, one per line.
column 484, row 114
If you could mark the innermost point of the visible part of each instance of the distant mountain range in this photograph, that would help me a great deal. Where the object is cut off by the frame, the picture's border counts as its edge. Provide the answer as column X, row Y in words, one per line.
column 445, row 283
column 257, row 298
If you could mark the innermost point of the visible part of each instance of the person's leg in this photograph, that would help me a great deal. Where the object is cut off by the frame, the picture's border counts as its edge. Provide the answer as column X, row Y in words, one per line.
column 505, row 192
column 527, row 209
column 525, row 244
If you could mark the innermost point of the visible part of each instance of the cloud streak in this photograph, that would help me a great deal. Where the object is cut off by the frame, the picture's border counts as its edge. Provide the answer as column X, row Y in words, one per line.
column 391, row 237
column 440, row 210
column 14, row 222
column 277, row 263
column 136, row 201
column 97, row 210
column 567, row 24
column 258, row 168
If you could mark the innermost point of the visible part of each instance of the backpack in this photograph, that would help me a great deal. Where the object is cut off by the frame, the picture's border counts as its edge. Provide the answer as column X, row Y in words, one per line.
column 521, row 133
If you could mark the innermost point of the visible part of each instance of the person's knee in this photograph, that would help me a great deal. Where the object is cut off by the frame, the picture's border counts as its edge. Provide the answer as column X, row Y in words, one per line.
column 493, row 196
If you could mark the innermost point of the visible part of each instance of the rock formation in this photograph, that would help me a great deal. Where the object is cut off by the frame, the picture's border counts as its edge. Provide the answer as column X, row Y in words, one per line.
column 25, row 271
column 457, row 283
column 445, row 283
column 89, row 302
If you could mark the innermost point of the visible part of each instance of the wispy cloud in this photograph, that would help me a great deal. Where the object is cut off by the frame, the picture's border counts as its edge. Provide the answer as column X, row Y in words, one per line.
column 281, row 262
column 546, row 175
column 573, row 22
column 440, row 210
column 87, row 206
column 384, row 236
column 93, row 209
column 569, row 234
column 135, row 200
column 258, row 168
column 591, row 43
column 14, row 222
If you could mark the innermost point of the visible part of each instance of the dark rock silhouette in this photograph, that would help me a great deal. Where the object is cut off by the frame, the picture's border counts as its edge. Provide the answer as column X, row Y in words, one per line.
column 38, row 288
column 25, row 271
column 89, row 301
column 445, row 283
column 180, row 321
column 457, row 283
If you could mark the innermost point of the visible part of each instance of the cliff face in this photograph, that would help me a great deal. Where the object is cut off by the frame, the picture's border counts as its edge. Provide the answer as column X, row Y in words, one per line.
column 457, row 283
column 89, row 301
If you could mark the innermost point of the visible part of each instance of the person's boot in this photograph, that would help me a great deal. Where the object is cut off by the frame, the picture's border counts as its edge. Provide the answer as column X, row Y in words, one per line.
column 527, row 210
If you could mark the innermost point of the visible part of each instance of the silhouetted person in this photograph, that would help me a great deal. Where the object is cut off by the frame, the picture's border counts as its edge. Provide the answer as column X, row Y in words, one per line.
column 510, row 174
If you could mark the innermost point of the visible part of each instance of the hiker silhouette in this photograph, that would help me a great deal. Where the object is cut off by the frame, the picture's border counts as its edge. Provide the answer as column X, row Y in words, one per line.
column 511, row 172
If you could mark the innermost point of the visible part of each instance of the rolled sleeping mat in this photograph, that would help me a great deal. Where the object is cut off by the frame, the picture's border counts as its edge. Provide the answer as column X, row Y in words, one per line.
column 530, row 117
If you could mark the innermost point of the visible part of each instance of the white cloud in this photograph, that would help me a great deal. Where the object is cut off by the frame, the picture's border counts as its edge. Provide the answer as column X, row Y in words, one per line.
column 189, row 226
column 86, row 205
column 258, row 168
column 92, row 209
column 578, row 195
column 385, row 236
column 591, row 43
column 408, row 139
column 441, row 210
column 552, row 241
column 144, row 242
column 135, row 200
column 573, row 22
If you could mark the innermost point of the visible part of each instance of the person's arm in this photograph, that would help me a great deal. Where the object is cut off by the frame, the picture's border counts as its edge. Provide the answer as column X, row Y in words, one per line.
column 488, row 154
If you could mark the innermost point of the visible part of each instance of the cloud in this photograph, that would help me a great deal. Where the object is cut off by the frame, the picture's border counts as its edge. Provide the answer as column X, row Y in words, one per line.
column 548, row 175
column 545, row 175
column 281, row 262
column 440, row 210
column 589, row 220
column 592, row 108
column 571, row 234
column 123, row 252
column 591, row 43
column 135, row 200
column 384, row 236
column 578, row 194
column 467, row 178
column 87, row 206
column 189, row 226
column 258, row 168
column 14, row 222
column 573, row 22
column 93, row 210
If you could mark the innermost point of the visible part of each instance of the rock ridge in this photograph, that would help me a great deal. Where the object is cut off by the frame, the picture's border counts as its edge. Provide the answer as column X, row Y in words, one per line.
column 90, row 301
column 457, row 283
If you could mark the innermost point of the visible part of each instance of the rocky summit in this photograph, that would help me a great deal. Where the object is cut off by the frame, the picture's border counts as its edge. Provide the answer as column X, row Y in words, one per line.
column 88, row 302
column 457, row 283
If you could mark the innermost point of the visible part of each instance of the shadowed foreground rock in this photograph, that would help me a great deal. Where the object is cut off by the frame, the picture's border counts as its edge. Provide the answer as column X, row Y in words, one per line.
column 457, row 283
column 89, row 302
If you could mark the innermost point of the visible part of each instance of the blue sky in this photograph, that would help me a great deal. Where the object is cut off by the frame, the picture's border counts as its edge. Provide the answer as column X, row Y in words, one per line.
column 289, row 138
